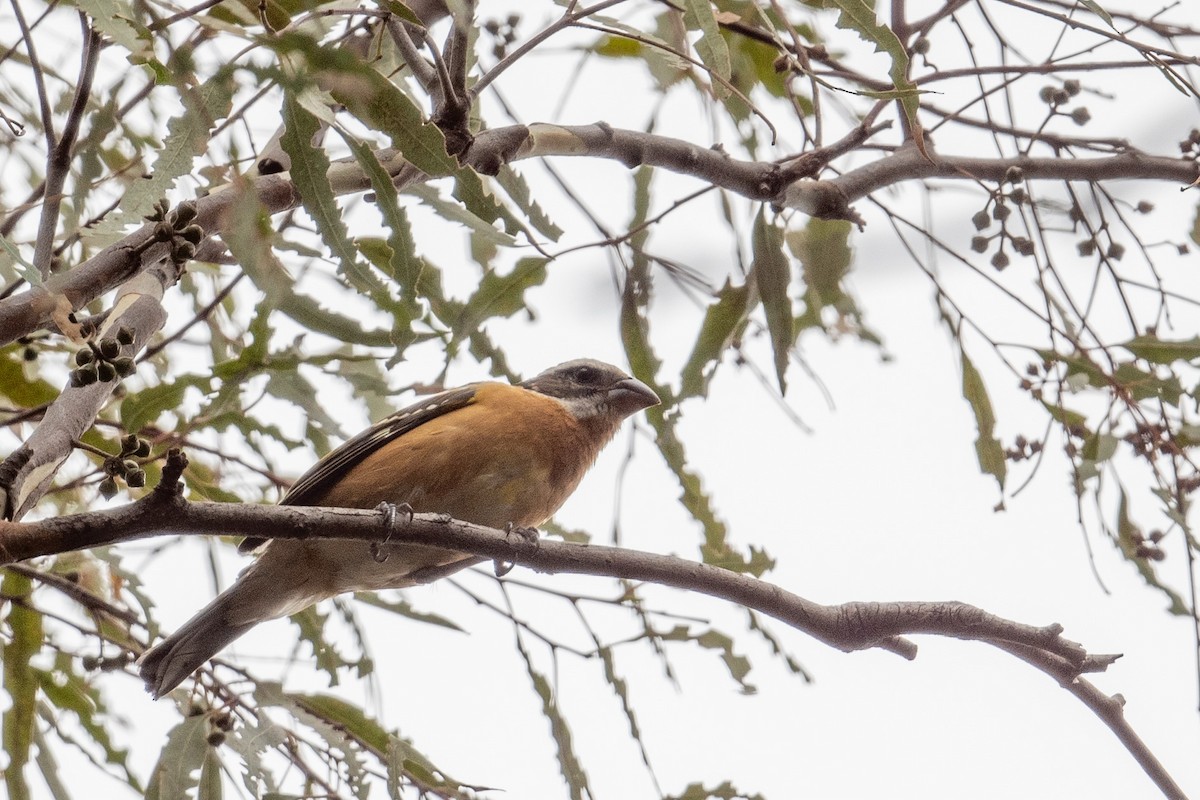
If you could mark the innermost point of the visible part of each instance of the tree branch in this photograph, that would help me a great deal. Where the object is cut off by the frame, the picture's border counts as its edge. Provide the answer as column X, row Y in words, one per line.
column 847, row 627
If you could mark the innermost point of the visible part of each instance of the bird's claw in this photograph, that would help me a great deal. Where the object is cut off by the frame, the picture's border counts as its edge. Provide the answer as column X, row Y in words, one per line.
column 528, row 535
column 389, row 511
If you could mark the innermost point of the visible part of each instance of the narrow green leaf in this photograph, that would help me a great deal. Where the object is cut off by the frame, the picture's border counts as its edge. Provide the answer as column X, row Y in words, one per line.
column 405, row 266
column 187, row 137
column 401, row 607
column 1164, row 351
column 823, row 249
column 722, row 791
column 471, row 215
column 724, row 320
column 711, row 47
column 142, row 408
column 25, row 269
column 987, row 447
column 1065, row 416
column 309, row 172
column 772, row 275
column 177, row 770
column 501, row 295
column 209, row 787
column 1099, row 12
column 17, row 385
column 22, row 641
column 860, row 16
column 517, row 189
column 371, row 97
column 1129, row 536
column 568, row 762
column 710, row 639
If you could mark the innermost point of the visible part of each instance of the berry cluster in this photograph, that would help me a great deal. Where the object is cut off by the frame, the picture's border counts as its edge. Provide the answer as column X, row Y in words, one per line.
column 1002, row 203
column 102, row 361
column 123, row 466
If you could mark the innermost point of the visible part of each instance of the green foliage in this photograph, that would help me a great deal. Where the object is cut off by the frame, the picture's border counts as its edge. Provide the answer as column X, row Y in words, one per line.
column 352, row 295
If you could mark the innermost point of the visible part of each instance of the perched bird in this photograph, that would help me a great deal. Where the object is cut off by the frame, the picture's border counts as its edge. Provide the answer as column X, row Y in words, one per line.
column 488, row 453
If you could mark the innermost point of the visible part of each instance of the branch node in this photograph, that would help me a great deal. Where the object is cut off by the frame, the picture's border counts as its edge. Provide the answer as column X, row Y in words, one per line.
column 171, row 485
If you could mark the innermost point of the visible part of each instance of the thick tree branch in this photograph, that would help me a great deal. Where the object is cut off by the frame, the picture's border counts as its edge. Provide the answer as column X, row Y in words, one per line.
column 780, row 183
column 847, row 627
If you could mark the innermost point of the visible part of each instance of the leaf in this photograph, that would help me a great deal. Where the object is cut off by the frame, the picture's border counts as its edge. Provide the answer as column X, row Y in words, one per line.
column 210, row 777
column 1129, row 536
column 987, row 447
column 723, row 321
column 568, row 762
column 176, row 772
column 859, row 16
column 518, row 191
column 25, row 269
column 1164, row 351
column 16, row 386
column 142, row 408
column 1096, row 9
column 1065, row 416
column 501, row 295
column 400, row 756
column 772, row 275
column 823, row 248
column 22, row 642
column 188, row 135
column 722, row 791
column 326, row 656
column 310, row 174
column 711, row 47
column 403, row 608
column 369, row 96
column 49, row 767
column 467, row 215
column 711, row 639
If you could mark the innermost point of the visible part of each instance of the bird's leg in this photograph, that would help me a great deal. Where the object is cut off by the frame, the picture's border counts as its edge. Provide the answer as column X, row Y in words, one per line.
column 389, row 511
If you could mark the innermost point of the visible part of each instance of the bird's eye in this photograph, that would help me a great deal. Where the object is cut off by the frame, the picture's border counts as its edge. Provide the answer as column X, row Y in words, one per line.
column 586, row 375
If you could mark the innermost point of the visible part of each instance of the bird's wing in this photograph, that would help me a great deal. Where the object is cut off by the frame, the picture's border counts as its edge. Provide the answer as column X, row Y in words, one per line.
column 313, row 484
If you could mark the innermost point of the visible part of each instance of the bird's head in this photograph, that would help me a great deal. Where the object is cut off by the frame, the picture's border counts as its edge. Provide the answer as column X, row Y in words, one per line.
column 593, row 390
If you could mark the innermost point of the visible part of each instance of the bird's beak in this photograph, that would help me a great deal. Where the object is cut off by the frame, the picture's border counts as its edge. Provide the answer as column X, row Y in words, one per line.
column 631, row 395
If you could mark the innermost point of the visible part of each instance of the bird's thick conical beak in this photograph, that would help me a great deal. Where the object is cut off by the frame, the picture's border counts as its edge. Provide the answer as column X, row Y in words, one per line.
column 631, row 396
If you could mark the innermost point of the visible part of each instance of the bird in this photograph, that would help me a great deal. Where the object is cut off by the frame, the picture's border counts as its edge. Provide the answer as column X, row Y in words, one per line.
column 495, row 454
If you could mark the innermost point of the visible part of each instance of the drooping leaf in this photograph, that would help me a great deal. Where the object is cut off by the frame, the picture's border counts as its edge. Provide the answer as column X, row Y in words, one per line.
column 177, row 772
column 1129, row 537
column 518, row 191
column 712, row 639
column 22, row 641
column 398, row 605
column 988, row 449
column 724, row 321
column 187, row 137
column 568, row 761
column 711, row 47
column 309, row 172
column 772, row 275
column 860, row 16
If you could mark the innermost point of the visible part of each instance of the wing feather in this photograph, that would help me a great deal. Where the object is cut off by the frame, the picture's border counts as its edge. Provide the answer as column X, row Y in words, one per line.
column 313, row 485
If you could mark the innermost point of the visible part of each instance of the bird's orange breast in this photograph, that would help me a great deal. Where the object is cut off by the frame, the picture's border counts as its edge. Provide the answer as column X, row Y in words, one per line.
column 509, row 455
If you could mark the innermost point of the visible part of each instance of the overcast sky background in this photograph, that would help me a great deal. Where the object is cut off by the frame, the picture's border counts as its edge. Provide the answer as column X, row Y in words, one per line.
column 882, row 500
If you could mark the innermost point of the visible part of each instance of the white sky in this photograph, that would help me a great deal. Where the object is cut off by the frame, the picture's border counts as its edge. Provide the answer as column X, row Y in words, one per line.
column 882, row 501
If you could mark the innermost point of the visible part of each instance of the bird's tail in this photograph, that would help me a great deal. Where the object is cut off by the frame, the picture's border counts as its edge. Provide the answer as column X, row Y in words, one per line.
column 164, row 666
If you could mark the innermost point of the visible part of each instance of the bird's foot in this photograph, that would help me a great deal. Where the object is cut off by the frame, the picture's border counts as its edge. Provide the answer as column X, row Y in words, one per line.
column 390, row 511
column 528, row 535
